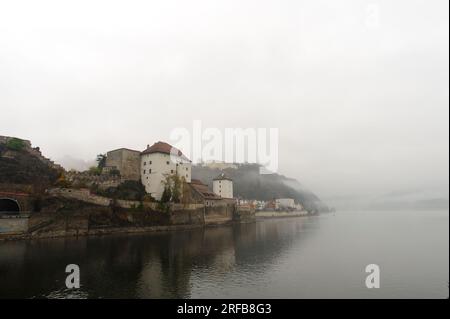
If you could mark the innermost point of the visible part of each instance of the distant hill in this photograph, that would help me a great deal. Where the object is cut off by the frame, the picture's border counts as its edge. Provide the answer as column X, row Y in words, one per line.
column 248, row 183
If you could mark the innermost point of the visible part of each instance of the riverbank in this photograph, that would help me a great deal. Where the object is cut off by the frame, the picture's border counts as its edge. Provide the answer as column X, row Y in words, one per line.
column 73, row 212
column 112, row 231
column 283, row 214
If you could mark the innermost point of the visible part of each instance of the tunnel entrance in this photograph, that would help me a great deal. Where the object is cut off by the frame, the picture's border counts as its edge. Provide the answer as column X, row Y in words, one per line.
column 9, row 206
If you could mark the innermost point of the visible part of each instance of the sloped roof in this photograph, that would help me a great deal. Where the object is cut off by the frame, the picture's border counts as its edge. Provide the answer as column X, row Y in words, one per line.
column 222, row 176
column 165, row 148
column 203, row 190
column 123, row 149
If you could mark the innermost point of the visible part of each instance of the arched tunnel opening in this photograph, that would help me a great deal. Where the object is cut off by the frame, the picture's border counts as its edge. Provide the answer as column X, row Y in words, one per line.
column 9, row 206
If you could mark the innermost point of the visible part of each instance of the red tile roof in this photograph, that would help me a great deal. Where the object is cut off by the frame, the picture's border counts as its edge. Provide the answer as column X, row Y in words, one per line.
column 165, row 148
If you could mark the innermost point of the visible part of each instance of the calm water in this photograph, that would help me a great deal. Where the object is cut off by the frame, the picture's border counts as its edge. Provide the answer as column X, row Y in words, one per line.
column 307, row 257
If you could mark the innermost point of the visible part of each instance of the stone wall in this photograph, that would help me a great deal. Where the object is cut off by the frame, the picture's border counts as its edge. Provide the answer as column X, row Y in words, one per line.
column 220, row 213
column 86, row 179
column 13, row 224
column 82, row 194
column 244, row 214
column 269, row 214
column 21, row 193
column 187, row 216
column 73, row 212
column 127, row 161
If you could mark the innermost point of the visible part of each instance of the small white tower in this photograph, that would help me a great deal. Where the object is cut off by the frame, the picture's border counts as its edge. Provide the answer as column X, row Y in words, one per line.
column 223, row 186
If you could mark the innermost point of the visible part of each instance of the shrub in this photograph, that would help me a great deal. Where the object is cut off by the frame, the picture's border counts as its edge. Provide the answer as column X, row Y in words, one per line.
column 15, row 144
column 63, row 182
column 95, row 170
column 114, row 172
column 131, row 190
column 128, row 190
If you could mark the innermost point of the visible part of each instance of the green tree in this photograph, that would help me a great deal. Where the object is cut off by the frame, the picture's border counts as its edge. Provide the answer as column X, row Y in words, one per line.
column 101, row 161
column 166, row 195
column 176, row 189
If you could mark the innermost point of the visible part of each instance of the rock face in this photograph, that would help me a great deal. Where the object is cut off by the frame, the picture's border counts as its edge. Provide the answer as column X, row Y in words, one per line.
column 248, row 183
column 22, row 164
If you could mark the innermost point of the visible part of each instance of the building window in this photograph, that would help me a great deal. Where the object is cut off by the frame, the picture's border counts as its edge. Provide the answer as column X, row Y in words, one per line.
column 171, row 171
column 167, row 162
column 149, row 171
column 186, row 168
column 187, row 176
column 144, row 171
column 145, row 163
column 150, row 163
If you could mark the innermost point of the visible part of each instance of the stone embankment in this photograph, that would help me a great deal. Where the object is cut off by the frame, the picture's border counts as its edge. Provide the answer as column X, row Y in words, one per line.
column 77, row 212
column 276, row 214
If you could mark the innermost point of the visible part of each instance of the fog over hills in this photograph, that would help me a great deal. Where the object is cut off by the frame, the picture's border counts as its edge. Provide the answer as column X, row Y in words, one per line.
column 417, row 199
column 70, row 162
column 248, row 183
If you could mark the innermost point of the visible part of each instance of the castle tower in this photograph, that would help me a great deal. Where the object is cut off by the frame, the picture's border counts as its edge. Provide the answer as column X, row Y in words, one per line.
column 223, row 186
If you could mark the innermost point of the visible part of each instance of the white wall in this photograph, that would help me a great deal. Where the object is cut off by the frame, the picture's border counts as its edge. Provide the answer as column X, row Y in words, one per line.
column 285, row 202
column 161, row 166
column 223, row 188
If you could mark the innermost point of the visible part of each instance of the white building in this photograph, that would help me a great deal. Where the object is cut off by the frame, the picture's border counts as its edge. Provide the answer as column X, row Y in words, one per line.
column 223, row 186
column 160, row 161
column 285, row 203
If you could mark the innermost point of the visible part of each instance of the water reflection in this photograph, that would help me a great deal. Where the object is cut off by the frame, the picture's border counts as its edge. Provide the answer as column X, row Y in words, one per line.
column 316, row 257
column 160, row 265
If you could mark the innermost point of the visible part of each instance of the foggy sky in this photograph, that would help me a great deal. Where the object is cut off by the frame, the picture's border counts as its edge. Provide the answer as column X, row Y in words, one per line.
column 358, row 89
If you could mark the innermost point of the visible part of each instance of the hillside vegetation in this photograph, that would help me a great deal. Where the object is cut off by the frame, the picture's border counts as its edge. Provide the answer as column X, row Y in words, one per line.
column 250, row 184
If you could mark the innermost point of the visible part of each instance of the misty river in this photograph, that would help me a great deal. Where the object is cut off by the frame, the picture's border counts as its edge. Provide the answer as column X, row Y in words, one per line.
column 304, row 257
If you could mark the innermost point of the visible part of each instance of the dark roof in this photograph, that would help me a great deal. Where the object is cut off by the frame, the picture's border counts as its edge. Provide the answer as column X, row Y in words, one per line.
column 222, row 176
column 203, row 190
column 165, row 148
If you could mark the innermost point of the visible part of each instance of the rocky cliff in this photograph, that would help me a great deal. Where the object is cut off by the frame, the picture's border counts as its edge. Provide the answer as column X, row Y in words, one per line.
column 22, row 164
